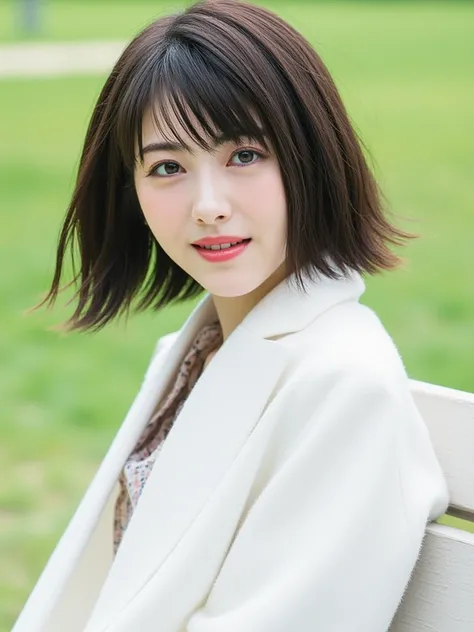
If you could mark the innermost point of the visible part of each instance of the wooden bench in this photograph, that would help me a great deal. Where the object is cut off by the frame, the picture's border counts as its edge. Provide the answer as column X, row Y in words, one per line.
column 440, row 596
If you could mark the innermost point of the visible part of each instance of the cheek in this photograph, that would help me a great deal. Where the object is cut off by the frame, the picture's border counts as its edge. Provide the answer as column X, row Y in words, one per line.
column 271, row 205
column 162, row 210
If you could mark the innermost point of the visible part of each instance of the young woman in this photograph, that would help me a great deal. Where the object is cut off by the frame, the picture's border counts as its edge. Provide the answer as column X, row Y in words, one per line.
column 273, row 473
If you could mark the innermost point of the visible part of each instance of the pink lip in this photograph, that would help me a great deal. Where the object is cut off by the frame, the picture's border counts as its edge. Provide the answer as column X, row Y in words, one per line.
column 216, row 256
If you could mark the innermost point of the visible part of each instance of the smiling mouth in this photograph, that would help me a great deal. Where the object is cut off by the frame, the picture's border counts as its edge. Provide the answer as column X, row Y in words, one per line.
column 223, row 246
column 221, row 253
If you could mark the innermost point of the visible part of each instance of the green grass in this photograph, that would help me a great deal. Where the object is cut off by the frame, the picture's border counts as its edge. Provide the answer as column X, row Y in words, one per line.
column 405, row 73
column 83, row 19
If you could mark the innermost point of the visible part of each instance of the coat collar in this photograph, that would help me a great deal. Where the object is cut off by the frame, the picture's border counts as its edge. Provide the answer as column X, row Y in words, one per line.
column 289, row 308
column 190, row 467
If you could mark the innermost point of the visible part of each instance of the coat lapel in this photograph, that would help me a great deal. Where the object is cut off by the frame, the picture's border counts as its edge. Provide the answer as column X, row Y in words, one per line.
column 208, row 434
column 213, row 426
column 220, row 413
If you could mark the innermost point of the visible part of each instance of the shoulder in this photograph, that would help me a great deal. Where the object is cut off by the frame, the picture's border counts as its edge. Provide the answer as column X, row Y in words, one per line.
column 162, row 346
column 346, row 361
column 345, row 375
column 347, row 339
column 165, row 342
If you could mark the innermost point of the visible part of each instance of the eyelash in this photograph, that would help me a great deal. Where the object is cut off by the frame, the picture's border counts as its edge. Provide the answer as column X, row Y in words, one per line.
column 151, row 171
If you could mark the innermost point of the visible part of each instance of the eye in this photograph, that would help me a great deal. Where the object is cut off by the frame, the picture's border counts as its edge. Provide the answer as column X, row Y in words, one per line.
column 245, row 155
column 170, row 169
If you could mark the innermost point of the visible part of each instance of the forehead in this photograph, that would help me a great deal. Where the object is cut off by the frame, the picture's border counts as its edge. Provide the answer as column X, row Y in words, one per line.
column 163, row 122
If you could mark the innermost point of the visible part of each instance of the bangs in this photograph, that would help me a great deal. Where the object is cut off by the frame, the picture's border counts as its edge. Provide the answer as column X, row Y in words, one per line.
column 189, row 93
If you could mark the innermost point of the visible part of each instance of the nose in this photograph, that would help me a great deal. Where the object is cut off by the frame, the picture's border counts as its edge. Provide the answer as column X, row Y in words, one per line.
column 210, row 205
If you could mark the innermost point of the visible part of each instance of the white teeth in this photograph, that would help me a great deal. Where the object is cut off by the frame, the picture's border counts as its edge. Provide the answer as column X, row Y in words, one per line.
column 221, row 246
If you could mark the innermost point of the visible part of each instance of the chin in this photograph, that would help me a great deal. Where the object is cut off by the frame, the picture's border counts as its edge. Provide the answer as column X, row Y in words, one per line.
column 234, row 288
column 229, row 290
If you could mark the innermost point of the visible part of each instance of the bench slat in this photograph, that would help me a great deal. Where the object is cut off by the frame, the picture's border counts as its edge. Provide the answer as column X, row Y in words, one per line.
column 449, row 416
column 440, row 595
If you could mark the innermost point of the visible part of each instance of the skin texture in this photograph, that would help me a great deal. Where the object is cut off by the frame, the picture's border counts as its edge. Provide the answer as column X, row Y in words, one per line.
column 235, row 189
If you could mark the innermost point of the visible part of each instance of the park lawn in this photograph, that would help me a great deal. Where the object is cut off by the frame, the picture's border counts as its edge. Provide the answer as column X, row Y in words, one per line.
column 102, row 19
column 63, row 397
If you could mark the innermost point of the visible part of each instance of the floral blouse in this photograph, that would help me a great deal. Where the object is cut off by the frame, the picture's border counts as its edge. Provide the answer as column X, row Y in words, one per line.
column 140, row 462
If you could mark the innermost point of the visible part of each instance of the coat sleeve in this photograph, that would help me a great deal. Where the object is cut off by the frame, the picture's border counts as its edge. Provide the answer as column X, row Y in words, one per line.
column 331, row 542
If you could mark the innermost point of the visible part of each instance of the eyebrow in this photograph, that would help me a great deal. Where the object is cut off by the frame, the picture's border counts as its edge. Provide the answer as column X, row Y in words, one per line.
column 181, row 146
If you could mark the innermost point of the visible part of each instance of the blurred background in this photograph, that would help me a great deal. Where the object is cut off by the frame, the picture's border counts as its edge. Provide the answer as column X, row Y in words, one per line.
column 404, row 70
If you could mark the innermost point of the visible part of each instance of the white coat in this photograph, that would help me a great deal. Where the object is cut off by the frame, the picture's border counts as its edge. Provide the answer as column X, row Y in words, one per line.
column 291, row 494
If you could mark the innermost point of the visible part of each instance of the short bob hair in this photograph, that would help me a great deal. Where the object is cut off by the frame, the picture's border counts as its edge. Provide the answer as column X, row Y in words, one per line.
column 239, row 70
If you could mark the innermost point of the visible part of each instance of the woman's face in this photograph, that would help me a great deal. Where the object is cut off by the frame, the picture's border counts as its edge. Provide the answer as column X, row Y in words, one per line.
column 233, row 193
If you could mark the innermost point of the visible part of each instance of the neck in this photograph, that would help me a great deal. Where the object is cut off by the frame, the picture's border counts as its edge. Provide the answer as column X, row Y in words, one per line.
column 231, row 311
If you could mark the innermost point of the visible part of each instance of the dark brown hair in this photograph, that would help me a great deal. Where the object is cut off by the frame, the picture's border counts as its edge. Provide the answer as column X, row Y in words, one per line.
column 239, row 70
